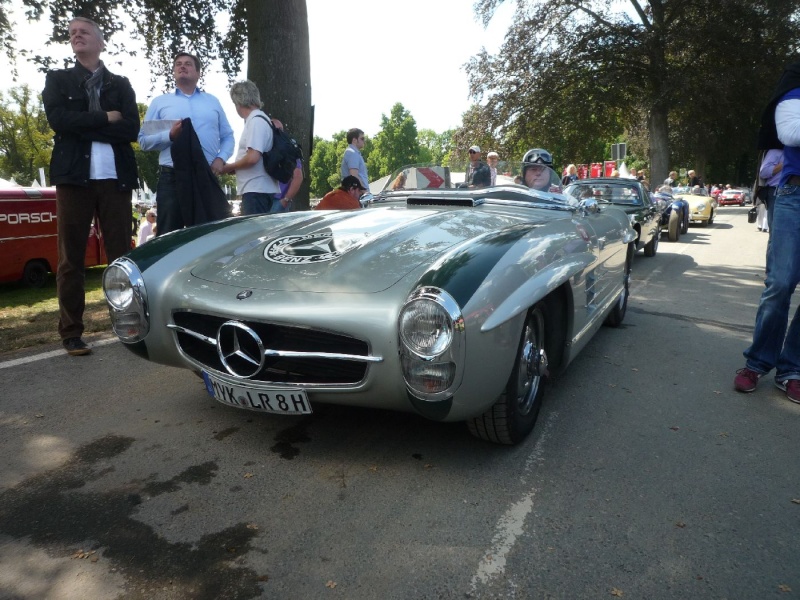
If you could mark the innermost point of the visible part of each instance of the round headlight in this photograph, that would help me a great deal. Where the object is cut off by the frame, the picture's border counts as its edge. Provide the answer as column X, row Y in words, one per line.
column 117, row 287
column 426, row 328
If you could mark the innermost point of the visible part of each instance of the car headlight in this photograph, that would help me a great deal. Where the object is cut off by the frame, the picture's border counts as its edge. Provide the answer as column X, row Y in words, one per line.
column 431, row 330
column 125, row 293
column 117, row 287
column 426, row 328
column 701, row 207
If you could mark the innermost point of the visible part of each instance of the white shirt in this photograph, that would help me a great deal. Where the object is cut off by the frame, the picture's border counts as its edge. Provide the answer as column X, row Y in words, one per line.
column 257, row 135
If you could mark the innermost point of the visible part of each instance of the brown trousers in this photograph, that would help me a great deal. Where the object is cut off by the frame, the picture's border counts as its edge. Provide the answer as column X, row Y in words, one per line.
column 76, row 207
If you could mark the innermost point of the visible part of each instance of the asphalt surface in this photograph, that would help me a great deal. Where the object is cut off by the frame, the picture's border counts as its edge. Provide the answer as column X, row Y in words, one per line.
column 647, row 475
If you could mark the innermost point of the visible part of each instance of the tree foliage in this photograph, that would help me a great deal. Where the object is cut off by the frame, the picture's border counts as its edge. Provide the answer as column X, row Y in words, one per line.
column 273, row 34
column 395, row 145
column 26, row 140
column 576, row 70
column 434, row 147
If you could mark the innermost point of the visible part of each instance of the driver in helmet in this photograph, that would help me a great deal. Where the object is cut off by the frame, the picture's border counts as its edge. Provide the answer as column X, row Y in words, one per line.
column 536, row 166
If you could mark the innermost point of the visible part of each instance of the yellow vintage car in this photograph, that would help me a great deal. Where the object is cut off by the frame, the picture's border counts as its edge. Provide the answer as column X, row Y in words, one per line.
column 702, row 207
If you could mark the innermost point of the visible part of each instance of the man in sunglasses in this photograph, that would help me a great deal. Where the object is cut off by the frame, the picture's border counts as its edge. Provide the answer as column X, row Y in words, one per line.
column 478, row 174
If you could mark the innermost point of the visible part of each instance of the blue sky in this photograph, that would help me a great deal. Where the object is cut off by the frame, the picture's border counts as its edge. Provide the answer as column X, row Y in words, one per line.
column 411, row 52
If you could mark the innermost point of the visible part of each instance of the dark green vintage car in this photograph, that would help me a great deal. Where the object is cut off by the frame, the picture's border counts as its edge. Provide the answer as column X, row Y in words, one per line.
column 631, row 196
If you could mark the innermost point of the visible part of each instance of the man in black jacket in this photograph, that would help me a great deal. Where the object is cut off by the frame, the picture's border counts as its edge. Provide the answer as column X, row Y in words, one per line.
column 93, row 113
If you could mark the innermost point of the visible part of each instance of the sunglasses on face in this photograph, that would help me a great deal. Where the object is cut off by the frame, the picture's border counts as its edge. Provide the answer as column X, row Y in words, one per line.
column 472, row 152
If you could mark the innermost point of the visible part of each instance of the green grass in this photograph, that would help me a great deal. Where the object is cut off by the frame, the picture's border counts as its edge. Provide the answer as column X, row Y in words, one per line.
column 29, row 316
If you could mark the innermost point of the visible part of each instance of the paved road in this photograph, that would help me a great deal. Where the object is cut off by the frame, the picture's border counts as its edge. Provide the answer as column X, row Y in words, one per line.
column 647, row 476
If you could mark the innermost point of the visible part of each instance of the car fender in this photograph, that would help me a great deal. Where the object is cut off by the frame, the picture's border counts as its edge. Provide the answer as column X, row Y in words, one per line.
column 539, row 286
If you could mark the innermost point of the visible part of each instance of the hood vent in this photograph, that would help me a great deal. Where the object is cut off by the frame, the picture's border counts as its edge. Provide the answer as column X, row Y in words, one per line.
column 443, row 201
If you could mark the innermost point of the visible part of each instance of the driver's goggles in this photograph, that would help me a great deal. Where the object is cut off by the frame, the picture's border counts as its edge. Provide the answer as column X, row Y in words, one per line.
column 540, row 157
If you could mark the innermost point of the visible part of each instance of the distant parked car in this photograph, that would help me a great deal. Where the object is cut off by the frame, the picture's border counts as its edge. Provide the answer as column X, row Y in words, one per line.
column 733, row 197
column 631, row 196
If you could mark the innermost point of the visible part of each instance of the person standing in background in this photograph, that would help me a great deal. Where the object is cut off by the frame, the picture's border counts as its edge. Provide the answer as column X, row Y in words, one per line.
column 284, row 200
column 352, row 161
column 571, row 176
column 253, row 183
column 209, row 122
column 493, row 158
column 146, row 230
column 774, row 347
column 95, row 119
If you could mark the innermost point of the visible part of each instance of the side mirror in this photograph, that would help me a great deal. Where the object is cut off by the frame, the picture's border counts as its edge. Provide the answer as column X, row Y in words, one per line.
column 590, row 206
column 366, row 200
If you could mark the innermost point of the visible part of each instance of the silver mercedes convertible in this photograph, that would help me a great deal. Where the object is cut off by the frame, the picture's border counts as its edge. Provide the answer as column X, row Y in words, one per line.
column 449, row 301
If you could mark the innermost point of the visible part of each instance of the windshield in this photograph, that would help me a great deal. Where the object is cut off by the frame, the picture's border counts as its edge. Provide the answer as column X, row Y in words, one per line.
column 689, row 191
column 468, row 176
column 626, row 192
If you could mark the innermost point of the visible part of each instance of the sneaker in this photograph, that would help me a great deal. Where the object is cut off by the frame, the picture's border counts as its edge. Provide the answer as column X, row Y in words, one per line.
column 75, row 346
column 791, row 387
column 746, row 380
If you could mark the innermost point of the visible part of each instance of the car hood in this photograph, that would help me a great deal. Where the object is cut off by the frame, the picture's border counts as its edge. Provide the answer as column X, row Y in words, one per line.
column 366, row 250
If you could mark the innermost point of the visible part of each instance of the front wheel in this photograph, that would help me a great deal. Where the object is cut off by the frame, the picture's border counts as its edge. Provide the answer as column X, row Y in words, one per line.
column 711, row 218
column 512, row 417
column 651, row 247
column 674, row 227
column 617, row 314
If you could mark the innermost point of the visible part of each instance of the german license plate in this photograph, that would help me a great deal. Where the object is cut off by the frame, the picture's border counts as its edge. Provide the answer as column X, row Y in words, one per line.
column 284, row 402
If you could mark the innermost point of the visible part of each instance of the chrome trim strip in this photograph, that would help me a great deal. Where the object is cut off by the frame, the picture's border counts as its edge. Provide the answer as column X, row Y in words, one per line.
column 194, row 334
column 285, row 353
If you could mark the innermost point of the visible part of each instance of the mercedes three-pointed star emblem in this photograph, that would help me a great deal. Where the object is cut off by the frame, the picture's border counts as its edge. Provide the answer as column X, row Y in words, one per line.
column 240, row 349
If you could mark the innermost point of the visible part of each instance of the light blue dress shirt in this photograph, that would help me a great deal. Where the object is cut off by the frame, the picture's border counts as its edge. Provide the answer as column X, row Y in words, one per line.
column 208, row 119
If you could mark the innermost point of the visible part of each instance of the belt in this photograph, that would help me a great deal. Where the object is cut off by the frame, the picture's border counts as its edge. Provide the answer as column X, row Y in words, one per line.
column 793, row 180
column 166, row 169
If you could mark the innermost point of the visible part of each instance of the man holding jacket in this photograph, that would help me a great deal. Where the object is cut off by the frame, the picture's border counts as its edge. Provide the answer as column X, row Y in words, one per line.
column 94, row 116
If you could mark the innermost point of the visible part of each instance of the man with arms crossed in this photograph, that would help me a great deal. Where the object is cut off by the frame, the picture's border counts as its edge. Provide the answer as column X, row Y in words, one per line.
column 93, row 113
column 209, row 122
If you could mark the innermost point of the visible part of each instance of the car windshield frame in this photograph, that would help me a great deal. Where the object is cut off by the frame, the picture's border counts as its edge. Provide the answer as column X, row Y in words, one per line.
column 447, row 181
column 617, row 191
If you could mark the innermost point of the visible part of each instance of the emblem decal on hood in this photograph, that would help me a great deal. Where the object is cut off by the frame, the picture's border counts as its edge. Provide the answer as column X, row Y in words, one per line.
column 311, row 248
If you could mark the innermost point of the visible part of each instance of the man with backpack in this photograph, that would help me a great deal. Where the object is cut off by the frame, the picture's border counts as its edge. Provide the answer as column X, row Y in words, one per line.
column 256, row 187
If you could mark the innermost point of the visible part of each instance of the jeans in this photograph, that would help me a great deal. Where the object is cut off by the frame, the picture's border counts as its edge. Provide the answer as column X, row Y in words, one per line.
column 256, row 203
column 772, row 347
column 76, row 207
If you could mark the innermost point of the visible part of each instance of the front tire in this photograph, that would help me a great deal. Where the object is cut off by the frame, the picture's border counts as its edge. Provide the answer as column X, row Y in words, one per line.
column 617, row 314
column 651, row 247
column 674, row 227
column 512, row 417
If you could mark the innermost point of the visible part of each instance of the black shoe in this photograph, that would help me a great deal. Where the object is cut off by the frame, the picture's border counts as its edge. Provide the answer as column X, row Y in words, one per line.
column 75, row 346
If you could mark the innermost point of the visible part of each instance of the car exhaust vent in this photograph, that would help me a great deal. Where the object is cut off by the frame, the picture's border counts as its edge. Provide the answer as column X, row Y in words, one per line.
column 446, row 201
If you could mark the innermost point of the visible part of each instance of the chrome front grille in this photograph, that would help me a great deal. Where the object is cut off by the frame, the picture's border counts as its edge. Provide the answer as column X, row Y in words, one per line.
column 294, row 355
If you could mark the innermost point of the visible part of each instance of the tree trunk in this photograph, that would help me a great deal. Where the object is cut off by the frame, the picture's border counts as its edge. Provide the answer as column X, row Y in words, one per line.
column 279, row 63
column 658, row 129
